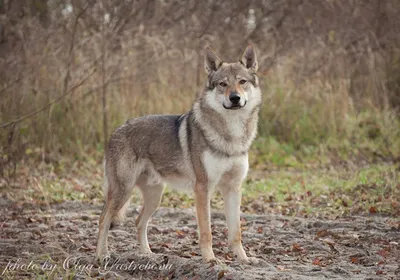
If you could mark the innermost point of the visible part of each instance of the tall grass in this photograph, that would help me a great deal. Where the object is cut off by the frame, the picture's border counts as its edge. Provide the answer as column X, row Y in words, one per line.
column 318, row 112
column 334, row 96
column 303, row 115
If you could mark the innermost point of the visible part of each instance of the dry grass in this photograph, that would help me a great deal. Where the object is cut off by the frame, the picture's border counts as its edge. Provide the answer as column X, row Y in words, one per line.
column 326, row 97
column 310, row 119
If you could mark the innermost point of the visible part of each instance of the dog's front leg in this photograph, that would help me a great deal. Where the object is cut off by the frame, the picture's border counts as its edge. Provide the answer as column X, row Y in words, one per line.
column 232, row 198
column 202, row 197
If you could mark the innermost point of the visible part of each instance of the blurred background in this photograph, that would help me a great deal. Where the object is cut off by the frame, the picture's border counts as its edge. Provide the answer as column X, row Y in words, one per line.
column 73, row 70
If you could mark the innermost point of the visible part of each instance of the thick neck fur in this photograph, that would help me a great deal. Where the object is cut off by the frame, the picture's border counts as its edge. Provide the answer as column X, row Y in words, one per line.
column 227, row 132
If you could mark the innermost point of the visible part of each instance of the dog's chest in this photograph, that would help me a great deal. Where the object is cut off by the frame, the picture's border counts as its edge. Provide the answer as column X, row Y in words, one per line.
column 236, row 128
column 216, row 166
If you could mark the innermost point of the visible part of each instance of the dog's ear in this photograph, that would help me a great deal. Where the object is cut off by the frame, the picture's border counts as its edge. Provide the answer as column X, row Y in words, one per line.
column 249, row 58
column 211, row 61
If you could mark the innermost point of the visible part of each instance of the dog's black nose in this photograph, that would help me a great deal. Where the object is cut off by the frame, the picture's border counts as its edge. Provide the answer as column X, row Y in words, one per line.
column 234, row 97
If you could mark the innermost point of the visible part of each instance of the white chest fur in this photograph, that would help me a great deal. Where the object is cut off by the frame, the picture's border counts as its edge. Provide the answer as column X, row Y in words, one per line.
column 216, row 166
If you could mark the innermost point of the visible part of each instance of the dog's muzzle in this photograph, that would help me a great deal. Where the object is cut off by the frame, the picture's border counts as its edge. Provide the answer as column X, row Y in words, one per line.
column 235, row 106
column 234, row 99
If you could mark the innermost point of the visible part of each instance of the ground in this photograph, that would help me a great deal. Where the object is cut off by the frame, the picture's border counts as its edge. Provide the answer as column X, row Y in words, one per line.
column 339, row 221
column 288, row 247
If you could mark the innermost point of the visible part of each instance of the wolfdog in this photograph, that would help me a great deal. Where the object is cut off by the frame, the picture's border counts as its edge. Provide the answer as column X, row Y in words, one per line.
column 201, row 151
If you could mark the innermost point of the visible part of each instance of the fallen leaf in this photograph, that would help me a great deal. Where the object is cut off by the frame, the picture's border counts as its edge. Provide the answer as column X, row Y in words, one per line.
column 331, row 244
column 280, row 267
column 384, row 252
column 354, row 260
column 221, row 274
column 316, row 261
column 322, row 233
column 329, row 241
column 289, row 198
column 32, row 220
column 228, row 257
column 85, row 249
column 296, row 247
column 380, row 272
column 180, row 234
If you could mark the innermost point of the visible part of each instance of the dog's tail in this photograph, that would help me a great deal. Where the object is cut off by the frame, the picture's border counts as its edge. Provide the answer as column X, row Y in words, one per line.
column 105, row 183
column 119, row 216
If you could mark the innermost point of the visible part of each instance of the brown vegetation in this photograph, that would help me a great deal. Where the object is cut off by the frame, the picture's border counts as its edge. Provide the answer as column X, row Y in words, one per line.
column 70, row 71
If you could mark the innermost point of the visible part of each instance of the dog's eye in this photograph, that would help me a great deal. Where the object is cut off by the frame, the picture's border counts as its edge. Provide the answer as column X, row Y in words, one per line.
column 222, row 84
column 242, row 82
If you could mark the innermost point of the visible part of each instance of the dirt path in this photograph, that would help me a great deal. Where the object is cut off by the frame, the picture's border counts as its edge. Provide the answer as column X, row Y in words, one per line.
column 289, row 248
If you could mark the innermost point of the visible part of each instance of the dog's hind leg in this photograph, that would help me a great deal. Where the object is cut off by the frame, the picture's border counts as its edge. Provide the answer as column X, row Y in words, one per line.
column 104, row 225
column 113, row 212
column 151, row 200
column 117, row 192
column 119, row 217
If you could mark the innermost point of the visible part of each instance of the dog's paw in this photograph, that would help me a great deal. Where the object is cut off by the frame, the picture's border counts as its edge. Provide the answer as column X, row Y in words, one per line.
column 146, row 251
column 249, row 260
column 100, row 259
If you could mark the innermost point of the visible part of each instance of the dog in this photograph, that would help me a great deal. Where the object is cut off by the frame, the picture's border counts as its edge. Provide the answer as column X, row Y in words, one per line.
column 201, row 151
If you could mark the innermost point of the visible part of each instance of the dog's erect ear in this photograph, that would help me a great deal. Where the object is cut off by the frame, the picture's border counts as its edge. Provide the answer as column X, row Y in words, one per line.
column 249, row 58
column 211, row 61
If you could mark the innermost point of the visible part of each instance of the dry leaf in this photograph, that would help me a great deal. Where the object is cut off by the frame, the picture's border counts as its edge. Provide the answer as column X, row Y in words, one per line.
column 316, row 261
column 180, row 234
column 329, row 241
column 296, row 247
column 354, row 260
column 384, row 252
column 282, row 268
column 322, row 233
column 380, row 272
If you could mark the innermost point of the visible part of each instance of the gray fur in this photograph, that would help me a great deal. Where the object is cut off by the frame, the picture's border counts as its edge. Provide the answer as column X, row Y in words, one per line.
column 152, row 150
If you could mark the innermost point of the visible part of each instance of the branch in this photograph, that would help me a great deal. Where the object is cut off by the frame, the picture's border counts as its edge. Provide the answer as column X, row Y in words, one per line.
column 6, row 87
column 20, row 119
column 72, row 44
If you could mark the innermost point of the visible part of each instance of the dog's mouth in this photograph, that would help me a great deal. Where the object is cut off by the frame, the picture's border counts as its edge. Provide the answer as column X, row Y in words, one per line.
column 235, row 106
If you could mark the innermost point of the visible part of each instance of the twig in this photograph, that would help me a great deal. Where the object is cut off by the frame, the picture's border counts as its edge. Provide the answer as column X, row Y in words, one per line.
column 48, row 104
column 104, row 86
column 71, row 46
column 6, row 87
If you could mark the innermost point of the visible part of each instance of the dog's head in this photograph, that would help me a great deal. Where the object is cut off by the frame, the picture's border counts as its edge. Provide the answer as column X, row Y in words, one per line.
column 232, row 86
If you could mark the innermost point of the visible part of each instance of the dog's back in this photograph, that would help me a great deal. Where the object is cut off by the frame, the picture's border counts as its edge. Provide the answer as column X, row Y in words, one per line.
column 145, row 151
column 152, row 138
